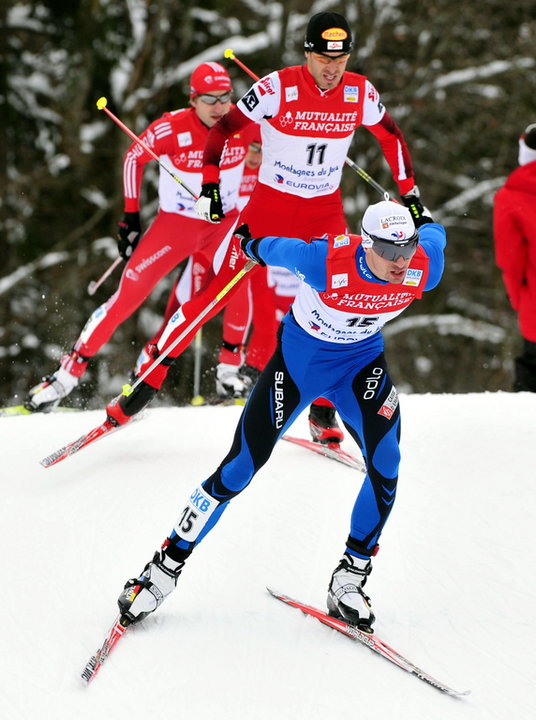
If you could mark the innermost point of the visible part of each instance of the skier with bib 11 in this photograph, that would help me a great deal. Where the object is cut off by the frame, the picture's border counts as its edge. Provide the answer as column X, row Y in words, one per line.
column 329, row 342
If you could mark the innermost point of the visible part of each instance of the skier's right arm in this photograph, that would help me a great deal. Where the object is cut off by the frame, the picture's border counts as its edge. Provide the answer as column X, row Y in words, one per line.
column 261, row 101
column 306, row 260
column 129, row 228
column 209, row 206
column 252, row 107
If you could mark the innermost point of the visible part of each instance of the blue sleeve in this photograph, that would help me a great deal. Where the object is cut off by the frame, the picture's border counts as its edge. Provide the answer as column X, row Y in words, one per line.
column 306, row 260
column 433, row 240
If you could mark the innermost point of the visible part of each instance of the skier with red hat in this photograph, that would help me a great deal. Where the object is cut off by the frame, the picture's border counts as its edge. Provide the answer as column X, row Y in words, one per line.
column 176, row 232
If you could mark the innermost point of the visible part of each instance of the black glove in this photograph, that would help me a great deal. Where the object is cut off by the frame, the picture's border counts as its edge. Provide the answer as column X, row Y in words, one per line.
column 243, row 234
column 129, row 231
column 209, row 206
column 418, row 212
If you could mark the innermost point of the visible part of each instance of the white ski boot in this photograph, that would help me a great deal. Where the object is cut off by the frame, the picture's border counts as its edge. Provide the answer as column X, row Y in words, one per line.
column 346, row 599
column 141, row 596
column 229, row 382
column 45, row 396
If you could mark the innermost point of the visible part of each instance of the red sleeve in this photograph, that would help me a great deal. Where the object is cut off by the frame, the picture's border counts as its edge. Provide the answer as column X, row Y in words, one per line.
column 230, row 124
column 251, row 133
column 510, row 247
column 395, row 150
column 136, row 158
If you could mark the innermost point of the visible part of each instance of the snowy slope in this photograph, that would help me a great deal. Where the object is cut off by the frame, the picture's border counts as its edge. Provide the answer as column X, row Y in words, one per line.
column 453, row 586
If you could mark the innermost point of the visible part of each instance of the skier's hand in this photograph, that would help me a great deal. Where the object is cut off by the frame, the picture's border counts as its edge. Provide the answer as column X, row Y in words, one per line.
column 129, row 231
column 412, row 201
column 209, row 206
column 243, row 234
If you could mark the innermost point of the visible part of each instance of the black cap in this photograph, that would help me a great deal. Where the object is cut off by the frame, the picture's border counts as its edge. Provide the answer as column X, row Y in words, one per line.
column 328, row 32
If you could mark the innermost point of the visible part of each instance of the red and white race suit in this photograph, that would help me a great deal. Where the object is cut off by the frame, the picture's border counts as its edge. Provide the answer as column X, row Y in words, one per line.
column 178, row 138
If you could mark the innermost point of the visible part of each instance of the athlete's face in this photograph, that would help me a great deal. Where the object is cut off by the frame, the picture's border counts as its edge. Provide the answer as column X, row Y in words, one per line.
column 393, row 271
column 209, row 114
column 253, row 156
column 326, row 69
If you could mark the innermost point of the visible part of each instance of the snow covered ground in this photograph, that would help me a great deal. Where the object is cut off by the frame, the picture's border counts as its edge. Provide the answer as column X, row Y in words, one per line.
column 453, row 587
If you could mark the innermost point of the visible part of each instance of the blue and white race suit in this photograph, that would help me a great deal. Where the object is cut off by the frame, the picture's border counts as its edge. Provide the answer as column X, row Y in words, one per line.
column 329, row 344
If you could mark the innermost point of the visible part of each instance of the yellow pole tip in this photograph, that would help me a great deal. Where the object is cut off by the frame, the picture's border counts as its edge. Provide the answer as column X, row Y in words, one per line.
column 198, row 400
column 229, row 54
column 101, row 103
column 127, row 390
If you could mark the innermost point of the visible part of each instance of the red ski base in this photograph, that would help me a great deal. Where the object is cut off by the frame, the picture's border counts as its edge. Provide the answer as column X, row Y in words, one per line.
column 371, row 640
column 333, row 451
column 94, row 663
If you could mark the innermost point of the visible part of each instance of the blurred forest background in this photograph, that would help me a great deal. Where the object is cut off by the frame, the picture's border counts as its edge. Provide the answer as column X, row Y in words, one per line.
column 458, row 77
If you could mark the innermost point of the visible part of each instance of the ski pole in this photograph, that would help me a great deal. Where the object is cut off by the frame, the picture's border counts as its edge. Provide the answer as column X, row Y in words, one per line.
column 197, row 398
column 229, row 55
column 94, row 284
column 128, row 389
column 363, row 174
column 102, row 105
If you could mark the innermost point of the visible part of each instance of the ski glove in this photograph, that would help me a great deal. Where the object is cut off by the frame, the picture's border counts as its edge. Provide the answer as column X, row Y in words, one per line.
column 129, row 231
column 243, row 234
column 209, row 206
column 419, row 213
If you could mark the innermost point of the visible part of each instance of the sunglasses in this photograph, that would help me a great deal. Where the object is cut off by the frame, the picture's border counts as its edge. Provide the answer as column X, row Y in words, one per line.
column 213, row 99
column 391, row 251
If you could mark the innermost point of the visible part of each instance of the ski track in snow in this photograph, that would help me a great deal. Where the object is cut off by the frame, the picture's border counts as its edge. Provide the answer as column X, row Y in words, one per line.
column 453, row 587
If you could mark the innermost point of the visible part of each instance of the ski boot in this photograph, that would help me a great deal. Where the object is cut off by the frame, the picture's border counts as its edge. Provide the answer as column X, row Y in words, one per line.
column 323, row 425
column 122, row 408
column 230, row 384
column 141, row 596
column 48, row 394
column 346, row 599
column 248, row 371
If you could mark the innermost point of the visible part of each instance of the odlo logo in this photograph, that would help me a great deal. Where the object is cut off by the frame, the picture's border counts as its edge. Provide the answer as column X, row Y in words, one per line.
column 279, row 398
column 372, row 383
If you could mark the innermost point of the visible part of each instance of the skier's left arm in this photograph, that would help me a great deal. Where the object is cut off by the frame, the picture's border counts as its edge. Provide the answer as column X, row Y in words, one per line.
column 433, row 240
column 395, row 150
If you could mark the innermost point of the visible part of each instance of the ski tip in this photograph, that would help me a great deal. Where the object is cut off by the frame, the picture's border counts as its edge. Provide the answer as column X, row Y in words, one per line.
column 278, row 595
column 14, row 410
column 90, row 670
column 52, row 459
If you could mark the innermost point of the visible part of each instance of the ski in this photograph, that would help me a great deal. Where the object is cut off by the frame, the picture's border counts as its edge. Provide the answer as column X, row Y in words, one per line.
column 371, row 640
column 23, row 410
column 106, row 428
column 332, row 451
column 94, row 663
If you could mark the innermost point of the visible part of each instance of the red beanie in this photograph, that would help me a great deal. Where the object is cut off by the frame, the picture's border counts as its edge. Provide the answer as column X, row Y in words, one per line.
column 209, row 77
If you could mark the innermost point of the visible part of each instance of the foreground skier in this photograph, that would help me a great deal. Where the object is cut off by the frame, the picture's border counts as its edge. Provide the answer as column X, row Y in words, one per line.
column 329, row 342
